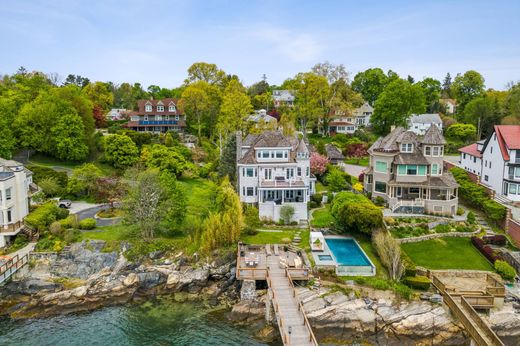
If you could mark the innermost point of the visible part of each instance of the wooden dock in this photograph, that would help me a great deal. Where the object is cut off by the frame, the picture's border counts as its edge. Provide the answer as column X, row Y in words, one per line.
column 290, row 315
column 11, row 266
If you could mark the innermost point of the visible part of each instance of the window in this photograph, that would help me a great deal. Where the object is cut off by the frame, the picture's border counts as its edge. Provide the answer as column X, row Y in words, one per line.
column 9, row 216
column 166, row 117
column 171, row 108
column 160, row 108
column 250, row 191
column 158, row 117
column 381, row 166
column 380, row 187
column 406, row 147
column 308, row 172
column 427, row 151
column 250, row 171
column 414, row 190
column 435, row 169
column 268, row 174
column 177, row 117
column 8, row 194
column 512, row 189
column 463, row 156
column 489, row 164
column 491, row 150
column 289, row 173
column 279, row 154
column 299, row 171
column 474, row 159
column 411, row 170
column 486, row 178
column 148, row 108
column 436, row 151
column 265, row 154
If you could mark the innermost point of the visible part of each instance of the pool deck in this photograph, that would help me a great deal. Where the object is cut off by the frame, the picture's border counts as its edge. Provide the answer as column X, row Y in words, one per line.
column 352, row 270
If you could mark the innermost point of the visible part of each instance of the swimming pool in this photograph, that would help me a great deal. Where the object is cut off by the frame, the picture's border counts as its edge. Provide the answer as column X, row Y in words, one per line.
column 325, row 257
column 347, row 252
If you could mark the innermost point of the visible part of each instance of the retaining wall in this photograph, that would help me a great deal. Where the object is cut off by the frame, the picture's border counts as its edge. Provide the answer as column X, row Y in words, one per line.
column 437, row 235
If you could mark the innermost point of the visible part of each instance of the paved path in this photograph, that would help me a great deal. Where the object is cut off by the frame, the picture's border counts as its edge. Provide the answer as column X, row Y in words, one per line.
column 353, row 170
column 91, row 212
column 23, row 251
column 287, row 306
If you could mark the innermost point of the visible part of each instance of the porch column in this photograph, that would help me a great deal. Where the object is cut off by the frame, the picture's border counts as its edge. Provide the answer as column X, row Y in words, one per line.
column 4, row 216
column 283, row 196
column 448, row 193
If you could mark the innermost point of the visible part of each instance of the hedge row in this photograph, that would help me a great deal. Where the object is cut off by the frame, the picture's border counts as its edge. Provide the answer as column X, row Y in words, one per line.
column 477, row 196
column 486, row 250
column 497, row 239
column 417, row 282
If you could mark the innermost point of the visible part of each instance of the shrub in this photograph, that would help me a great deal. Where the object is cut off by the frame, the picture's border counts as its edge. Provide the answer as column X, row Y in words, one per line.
column 471, row 218
column 403, row 291
column 505, row 270
column 88, row 223
column 62, row 213
column 379, row 201
column 286, row 213
column 285, row 241
column 442, row 228
column 43, row 216
column 484, row 249
column 317, row 197
column 389, row 220
column 250, row 231
column 71, row 236
column 409, row 267
column 418, row 282
column 69, row 222
column 460, row 211
column 55, row 228
column 251, row 216
column 355, row 212
column 312, row 205
column 497, row 239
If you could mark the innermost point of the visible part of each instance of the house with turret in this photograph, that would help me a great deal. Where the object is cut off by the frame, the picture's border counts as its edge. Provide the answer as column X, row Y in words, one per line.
column 406, row 170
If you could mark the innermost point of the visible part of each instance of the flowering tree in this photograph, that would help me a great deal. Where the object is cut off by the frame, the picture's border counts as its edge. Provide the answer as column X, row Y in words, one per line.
column 318, row 163
column 356, row 150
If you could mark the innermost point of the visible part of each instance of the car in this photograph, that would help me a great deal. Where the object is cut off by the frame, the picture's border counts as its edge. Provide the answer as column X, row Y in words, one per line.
column 64, row 203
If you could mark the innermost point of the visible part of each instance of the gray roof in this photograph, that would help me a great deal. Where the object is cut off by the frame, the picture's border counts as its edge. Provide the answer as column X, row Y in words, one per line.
column 415, row 158
column 389, row 142
column 333, row 152
column 433, row 136
column 432, row 118
column 271, row 139
column 261, row 114
column 283, row 95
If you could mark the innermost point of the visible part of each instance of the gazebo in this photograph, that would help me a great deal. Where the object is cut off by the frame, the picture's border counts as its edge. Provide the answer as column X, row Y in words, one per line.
column 317, row 241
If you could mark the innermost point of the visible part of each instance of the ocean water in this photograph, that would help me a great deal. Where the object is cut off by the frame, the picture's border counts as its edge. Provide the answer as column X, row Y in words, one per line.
column 159, row 323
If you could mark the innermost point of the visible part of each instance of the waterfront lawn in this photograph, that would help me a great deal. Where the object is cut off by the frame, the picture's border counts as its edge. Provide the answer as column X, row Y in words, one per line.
column 276, row 236
column 111, row 233
column 363, row 161
column 447, row 253
column 200, row 196
column 322, row 218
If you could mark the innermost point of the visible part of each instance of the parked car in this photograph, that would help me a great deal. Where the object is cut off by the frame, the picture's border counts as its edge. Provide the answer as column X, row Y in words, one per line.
column 63, row 203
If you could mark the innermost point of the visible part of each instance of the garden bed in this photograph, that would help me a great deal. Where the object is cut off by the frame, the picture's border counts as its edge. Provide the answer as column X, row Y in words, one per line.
column 402, row 228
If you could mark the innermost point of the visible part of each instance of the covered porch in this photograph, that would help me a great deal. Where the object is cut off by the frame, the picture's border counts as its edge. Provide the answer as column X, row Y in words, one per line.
column 281, row 196
column 410, row 193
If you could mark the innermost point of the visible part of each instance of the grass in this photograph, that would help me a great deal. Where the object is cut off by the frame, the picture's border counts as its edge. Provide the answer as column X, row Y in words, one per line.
column 199, row 194
column 357, row 161
column 320, row 187
column 111, row 233
column 322, row 218
column 264, row 237
column 447, row 253
column 51, row 162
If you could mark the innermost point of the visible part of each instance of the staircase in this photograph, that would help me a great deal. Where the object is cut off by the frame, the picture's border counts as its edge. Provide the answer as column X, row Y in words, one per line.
column 502, row 199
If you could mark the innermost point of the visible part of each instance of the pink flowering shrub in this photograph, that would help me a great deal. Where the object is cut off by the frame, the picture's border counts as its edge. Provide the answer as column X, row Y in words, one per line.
column 318, row 164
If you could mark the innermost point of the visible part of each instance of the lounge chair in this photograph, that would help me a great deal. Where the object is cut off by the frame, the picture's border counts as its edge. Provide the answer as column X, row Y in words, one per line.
column 276, row 250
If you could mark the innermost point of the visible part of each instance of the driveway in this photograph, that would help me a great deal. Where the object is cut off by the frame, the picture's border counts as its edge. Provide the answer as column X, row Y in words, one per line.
column 353, row 170
column 91, row 213
column 452, row 159
column 79, row 206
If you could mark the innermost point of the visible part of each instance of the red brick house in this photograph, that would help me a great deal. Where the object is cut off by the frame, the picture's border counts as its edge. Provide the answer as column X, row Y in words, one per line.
column 157, row 116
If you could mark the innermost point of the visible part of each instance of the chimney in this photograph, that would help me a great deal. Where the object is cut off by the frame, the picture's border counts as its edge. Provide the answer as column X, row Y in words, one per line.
column 392, row 128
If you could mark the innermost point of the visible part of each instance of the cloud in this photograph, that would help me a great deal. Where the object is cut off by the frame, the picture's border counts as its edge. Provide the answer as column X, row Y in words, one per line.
column 298, row 47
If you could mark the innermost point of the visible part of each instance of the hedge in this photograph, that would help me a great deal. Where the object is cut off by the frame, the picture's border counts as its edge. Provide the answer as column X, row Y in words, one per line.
column 44, row 215
column 486, row 250
column 477, row 196
column 497, row 239
column 418, row 282
column 88, row 223
column 505, row 270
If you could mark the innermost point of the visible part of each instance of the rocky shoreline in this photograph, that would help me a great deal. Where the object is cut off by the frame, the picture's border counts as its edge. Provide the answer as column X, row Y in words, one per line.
column 84, row 278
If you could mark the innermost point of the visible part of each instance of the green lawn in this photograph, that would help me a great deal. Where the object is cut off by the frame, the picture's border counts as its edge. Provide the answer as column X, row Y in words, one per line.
column 320, row 187
column 276, row 237
column 447, row 253
column 199, row 195
column 110, row 233
column 322, row 218
column 360, row 162
column 51, row 162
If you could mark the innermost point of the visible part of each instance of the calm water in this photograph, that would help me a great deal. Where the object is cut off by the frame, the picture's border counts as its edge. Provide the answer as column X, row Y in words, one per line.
column 159, row 323
column 347, row 252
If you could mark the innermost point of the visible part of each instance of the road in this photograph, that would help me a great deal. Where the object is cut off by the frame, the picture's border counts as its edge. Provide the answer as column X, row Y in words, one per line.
column 91, row 212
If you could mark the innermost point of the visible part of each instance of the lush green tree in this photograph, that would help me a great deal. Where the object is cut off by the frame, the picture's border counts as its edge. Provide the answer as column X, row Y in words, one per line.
column 370, row 83
column 483, row 113
column 336, row 180
column 258, row 88
column 200, row 101
column 76, row 80
column 120, row 151
column 446, row 86
column 286, row 213
column 396, row 104
column 463, row 133
column 50, row 186
column 7, row 139
column 236, row 107
column 166, row 159
column 209, row 73
column 355, row 212
column 512, row 101
column 227, row 165
column 432, row 92
column 467, row 87
column 83, row 179
column 68, row 138
column 99, row 94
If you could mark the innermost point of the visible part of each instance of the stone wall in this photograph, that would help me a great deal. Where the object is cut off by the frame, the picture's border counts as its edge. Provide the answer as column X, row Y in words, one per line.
column 513, row 258
column 248, row 290
column 51, row 256
column 437, row 235
column 513, row 229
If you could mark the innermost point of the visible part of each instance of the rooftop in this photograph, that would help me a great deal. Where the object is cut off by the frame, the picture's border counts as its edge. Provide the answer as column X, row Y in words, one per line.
column 427, row 118
column 471, row 150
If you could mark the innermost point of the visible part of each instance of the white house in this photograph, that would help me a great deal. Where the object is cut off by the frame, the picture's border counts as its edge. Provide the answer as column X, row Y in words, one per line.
column 419, row 123
column 348, row 124
column 15, row 181
column 116, row 114
column 273, row 170
column 471, row 157
column 283, row 98
column 450, row 105
column 262, row 116
column 499, row 161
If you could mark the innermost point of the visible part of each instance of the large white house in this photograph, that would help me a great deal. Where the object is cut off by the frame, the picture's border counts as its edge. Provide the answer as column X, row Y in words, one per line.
column 15, row 181
column 273, row 170
column 349, row 123
column 496, row 160
column 420, row 123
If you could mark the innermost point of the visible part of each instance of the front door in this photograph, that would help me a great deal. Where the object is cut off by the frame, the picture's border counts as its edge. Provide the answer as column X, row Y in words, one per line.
column 399, row 192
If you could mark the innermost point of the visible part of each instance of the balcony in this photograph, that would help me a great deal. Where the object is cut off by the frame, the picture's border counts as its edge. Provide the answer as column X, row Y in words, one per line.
column 281, row 183
column 158, row 122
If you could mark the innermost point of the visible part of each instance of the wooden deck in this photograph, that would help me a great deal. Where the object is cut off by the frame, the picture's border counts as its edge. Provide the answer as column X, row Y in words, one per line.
column 11, row 266
column 463, row 305
column 292, row 321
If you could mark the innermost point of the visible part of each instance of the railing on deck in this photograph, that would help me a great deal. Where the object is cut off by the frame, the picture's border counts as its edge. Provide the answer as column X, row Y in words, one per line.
column 11, row 266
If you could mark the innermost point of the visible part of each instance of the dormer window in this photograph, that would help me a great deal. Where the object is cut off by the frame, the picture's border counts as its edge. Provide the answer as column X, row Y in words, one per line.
column 148, row 108
column 160, row 108
column 406, row 147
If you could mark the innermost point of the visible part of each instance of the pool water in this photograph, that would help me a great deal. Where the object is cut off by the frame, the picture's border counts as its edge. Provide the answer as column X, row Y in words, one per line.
column 325, row 257
column 347, row 252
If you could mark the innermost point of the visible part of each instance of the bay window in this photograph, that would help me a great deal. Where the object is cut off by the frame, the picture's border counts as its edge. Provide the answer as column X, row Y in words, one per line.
column 381, row 166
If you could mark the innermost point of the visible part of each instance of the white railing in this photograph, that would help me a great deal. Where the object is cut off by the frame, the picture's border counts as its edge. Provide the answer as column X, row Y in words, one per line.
column 418, row 202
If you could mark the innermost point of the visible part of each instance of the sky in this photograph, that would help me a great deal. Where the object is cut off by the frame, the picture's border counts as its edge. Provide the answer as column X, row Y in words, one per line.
column 154, row 41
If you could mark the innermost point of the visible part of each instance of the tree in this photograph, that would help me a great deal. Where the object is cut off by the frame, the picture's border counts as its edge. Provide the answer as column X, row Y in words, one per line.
column 68, row 138
column 332, row 72
column 318, row 164
column 99, row 94
column 482, row 112
column 109, row 190
column 236, row 107
column 389, row 252
column 355, row 212
column 83, row 179
column 166, row 159
column 336, row 180
column 120, row 151
column 446, row 86
column 7, row 139
column 76, row 80
column 512, row 101
column 356, row 149
column 370, row 84
column 198, row 101
column 467, row 87
column 432, row 92
column 209, row 73
column 286, row 213
column 396, row 104
column 463, row 133
column 227, row 164
column 50, row 186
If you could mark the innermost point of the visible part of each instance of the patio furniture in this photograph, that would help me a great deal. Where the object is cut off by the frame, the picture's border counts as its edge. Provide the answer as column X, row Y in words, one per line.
column 276, row 252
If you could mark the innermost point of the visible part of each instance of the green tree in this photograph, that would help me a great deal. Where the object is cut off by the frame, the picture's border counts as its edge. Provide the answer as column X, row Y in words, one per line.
column 286, row 213
column 370, row 83
column 432, row 92
column 467, row 87
column 99, row 94
column 201, row 102
column 50, row 186
column 446, row 86
column 120, row 151
column 68, row 138
column 396, row 104
column 336, row 180
column 463, row 133
column 227, row 164
column 512, row 101
column 483, row 113
column 354, row 212
column 209, row 73
column 166, row 159
column 7, row 139
column 83, row 179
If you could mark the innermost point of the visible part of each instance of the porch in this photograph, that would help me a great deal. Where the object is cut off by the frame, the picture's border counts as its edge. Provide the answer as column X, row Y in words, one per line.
column 281, row 196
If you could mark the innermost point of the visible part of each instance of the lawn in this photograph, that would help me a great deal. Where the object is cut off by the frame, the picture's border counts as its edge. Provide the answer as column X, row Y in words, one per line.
column 320, row 187
column 199, row 194
column 263, row 237
column 110, row 233
column 56, row 164
column 447, row 253
column 322, row 218
column 357, row 161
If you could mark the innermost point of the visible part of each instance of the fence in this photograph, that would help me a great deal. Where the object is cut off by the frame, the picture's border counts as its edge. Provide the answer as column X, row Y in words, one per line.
column 11, row 266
